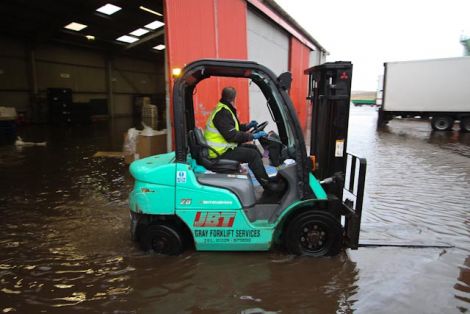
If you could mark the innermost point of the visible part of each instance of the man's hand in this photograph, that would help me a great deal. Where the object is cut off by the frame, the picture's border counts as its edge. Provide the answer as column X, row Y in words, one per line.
column 252, row 124
column 259, row 134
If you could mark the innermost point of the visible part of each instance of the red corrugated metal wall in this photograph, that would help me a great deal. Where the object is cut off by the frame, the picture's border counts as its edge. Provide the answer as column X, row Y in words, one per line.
column 299, row 56
column 207, row 29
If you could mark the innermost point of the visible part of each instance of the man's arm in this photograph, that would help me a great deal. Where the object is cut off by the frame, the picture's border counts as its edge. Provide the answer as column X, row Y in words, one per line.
column 223, row 121
column 243, row 127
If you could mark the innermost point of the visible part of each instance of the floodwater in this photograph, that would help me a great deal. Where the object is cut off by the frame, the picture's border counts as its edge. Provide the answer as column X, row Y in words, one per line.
column 65, row 245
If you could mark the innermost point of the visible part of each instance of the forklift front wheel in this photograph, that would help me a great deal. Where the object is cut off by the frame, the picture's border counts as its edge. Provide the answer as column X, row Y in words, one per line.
column 314, row 233
column 162, row 239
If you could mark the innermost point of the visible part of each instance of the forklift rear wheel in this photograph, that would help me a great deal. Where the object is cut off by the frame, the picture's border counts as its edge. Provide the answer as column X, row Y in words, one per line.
column 442, row 123
column 314, row 233
column 465, row 124
column 162, row 239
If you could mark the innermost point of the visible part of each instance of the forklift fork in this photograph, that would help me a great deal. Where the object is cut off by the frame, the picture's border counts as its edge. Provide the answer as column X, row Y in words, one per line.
column 353, row 197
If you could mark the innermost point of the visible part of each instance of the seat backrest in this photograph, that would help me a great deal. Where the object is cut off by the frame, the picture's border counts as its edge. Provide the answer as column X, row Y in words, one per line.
column 194, row 148
column 201, row 141
column 200, row 152
column 199, row 148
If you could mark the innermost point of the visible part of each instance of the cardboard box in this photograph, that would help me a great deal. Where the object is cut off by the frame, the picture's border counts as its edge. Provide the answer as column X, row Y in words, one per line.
column 151, row 145
column 130, row 158
column 146, row 100
column 146, row 145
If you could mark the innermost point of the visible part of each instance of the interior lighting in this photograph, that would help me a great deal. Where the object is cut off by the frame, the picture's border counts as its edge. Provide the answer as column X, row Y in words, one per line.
column 127, row 39
column 154, row 25
column 150, row 11
column 159, row 47
column 90, row 37
column 139, row 32
column 75, row 26
column 108, row 9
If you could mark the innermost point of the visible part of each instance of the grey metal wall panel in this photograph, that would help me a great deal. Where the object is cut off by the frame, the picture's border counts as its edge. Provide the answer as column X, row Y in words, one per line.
column 82, row 70
column 316, row 57
column 13, row 73
column 76, row 77
column 268, row 45
column 19, row 100
column 14, row 85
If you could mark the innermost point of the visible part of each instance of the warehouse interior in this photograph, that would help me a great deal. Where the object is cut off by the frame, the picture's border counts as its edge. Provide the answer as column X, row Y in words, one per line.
column 81, row 62
column 105, row 64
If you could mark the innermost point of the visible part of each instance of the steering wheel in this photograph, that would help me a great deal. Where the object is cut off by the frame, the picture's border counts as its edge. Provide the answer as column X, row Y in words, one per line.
column 260, row 127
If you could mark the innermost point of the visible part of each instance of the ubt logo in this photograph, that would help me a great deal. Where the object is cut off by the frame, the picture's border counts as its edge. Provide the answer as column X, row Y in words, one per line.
column 214, row 219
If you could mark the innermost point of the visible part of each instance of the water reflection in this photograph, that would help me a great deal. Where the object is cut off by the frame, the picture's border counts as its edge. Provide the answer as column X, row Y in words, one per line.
column 245, row 281
column 65, row 243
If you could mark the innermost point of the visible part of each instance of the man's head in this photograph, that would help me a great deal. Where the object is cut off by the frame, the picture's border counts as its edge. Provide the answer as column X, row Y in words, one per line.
column 228, row 94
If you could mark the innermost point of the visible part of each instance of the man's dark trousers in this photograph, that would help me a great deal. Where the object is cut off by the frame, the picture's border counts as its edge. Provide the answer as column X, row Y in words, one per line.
column 251, row 156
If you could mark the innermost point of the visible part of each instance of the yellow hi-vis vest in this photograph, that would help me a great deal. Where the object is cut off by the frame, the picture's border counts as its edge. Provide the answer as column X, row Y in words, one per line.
column 214, row 138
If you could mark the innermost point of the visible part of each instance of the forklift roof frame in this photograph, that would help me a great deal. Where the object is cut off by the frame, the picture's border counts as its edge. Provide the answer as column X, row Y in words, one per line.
column 270, row 85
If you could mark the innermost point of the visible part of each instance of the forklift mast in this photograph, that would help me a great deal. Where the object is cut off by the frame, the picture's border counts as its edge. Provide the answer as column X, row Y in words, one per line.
column 329, row 94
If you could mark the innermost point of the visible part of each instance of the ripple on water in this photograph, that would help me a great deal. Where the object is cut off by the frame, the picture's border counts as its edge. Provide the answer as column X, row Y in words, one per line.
column 64, row 237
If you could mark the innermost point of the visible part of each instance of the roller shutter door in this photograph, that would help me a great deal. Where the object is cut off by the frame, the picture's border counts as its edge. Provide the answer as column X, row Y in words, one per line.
column 268, row 45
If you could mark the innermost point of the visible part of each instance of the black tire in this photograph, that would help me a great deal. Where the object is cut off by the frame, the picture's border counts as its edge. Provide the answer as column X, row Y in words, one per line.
column 465, row 124
column 162, row 239
column 314, row 233
column 442, row 123
column 382, row 118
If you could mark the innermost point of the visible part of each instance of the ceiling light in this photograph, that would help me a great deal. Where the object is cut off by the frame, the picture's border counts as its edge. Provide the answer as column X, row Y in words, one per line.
column 139, row 32
column 150, row 11
column 90, row 37
column 108, row 9
column 159, row 47
column 127, row 39
column 75, row 26
column 154, row 25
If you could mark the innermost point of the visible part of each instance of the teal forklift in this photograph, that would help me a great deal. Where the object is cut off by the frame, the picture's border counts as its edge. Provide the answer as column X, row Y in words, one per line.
column 184, row 199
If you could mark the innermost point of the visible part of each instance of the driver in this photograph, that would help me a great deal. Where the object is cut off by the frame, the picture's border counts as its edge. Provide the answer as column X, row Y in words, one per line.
column 227, row 136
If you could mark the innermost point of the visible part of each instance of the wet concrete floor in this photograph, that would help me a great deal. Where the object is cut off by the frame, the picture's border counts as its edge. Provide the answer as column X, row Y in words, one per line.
column 65, row 244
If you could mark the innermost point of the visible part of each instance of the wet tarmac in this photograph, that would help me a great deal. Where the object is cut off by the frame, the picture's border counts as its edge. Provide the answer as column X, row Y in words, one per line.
column 65, row 244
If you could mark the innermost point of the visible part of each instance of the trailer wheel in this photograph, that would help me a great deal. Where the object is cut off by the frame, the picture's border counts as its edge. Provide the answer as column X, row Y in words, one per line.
column 465, row 124
column 162, row 239
column 442, row 123
column 314, row 233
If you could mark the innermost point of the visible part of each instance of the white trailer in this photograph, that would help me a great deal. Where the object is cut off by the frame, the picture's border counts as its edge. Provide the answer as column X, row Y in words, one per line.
column 437, row 89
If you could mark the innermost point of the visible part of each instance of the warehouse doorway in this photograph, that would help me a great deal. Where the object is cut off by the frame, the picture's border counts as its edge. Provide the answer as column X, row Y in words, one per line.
column 69, row 63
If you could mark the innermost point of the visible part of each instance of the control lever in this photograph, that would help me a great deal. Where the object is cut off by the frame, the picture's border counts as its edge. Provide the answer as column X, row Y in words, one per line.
column 338, row 176
column 327, row 180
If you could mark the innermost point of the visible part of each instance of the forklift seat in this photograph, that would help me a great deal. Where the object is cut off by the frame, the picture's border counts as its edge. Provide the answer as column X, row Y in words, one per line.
column 200, row 152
